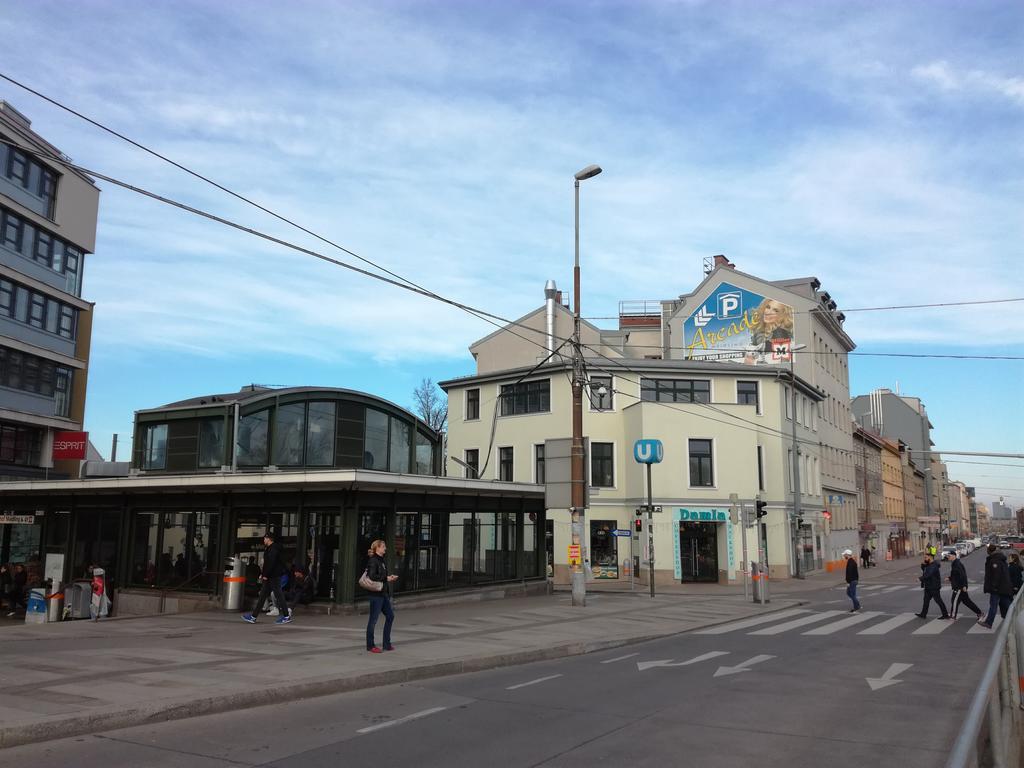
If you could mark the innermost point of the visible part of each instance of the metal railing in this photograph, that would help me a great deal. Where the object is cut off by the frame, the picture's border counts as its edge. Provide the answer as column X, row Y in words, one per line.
column 991, row 733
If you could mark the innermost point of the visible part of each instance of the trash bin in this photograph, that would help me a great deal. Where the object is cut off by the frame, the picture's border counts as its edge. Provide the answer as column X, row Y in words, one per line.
column 55, row 603
column 234, row 583
column 78, row 598
column 36, row 611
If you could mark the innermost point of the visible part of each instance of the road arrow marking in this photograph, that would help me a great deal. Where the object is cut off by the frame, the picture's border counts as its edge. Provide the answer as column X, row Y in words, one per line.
column 887, row 679
column 742, row 667
column 642, row 665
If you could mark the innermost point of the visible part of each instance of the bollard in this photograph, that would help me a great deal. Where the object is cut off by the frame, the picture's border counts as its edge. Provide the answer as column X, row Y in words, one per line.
column 234, row 583
column 55, row 603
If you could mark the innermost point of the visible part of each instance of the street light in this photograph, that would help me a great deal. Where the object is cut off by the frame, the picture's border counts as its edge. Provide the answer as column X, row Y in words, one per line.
column 579, row 584
column 797, row 556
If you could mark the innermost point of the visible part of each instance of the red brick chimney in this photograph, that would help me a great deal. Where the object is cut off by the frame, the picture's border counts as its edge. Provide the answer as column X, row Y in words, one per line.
column 721, row 261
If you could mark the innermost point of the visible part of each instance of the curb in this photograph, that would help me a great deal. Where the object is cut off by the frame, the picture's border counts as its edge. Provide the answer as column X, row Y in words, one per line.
column 86, row 724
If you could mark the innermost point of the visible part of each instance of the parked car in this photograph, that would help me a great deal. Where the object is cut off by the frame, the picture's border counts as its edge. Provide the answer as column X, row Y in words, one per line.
column 949, row 553
column 1004, row 544
column 961, row 547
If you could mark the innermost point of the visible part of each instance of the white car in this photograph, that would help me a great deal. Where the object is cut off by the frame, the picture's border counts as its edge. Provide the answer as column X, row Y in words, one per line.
column 961, row 547
column 949, row 553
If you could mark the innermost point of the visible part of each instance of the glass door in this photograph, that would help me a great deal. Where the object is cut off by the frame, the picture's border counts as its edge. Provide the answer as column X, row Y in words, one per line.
column 417, row 551
column 323, row 545
column 698, row 552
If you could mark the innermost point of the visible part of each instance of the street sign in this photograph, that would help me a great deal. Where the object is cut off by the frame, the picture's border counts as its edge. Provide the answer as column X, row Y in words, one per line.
column 622, row 532
column 11, row 519
column 574, row 554
column 648, row 451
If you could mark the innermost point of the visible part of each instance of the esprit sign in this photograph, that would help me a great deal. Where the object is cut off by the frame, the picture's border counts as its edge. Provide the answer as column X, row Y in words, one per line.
column 648, row 451
column 69, row 445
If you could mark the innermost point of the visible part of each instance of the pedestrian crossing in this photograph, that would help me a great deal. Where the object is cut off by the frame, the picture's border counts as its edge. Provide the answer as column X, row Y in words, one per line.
column 805, row 621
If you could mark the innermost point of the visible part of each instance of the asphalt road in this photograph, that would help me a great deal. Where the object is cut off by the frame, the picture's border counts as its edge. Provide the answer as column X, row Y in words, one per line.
column 811, row 686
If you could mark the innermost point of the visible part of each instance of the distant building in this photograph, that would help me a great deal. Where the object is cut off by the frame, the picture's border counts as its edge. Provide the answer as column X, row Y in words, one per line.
column 48, row 216
column 1001, row 511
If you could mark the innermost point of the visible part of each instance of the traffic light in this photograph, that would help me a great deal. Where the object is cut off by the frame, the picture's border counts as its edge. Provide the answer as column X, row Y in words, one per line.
column 799, row 522
column 638, row 525
column 761, row 508
column 826, row 514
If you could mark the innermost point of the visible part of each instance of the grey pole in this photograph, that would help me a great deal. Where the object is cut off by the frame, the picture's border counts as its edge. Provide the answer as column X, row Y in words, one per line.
column 746, row 565
column 796, row 467
column 650, row 528
column 578, row 473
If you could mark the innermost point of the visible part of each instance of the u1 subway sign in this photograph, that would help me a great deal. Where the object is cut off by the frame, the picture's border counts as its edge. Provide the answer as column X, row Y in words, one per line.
column 648, row 451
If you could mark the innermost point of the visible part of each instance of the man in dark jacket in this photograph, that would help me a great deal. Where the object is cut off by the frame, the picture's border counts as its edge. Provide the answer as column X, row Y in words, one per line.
column 852, row 577
column 931, row 580
column 16, row 593
column 958, row 581
column 998, row 586
column 865, row 556
column 274, row 567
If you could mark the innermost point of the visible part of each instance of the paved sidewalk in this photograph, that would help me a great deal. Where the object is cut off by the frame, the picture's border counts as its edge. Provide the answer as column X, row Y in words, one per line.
column 71, row 678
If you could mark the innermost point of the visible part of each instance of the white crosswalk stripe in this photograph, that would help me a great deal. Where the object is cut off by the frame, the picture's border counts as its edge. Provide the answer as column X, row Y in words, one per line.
column 733, row 626
column 934, row 627
column 891, row 589
column 849, row 621
column 888, row 625
column 977, row 629
column 778, row 630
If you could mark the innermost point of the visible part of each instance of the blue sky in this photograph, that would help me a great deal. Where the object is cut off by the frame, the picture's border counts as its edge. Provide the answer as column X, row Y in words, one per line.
column 878, row 146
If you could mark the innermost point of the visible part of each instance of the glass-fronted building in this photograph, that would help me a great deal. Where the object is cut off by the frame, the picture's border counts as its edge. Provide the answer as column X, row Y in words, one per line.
column 329, row 470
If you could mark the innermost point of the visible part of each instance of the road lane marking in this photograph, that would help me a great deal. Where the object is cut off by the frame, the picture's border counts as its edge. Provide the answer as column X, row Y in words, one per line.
column 977, row 629
column 642, row 665
column 933, row 627
column 743, row 666
column 620, row 658
column 891, row 589
column 870, row 586
column 779, row 629
column 849, row 621
column 532, row 682
column 751, row 622
column 886, row 679
column 887, row 626
column 399, row 721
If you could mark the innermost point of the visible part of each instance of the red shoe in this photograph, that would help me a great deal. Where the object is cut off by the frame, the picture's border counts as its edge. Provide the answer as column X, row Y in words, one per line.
column 375, row 649
column 389, row 647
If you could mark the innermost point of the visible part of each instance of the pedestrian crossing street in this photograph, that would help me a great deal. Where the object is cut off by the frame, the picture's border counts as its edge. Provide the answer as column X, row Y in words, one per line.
column 805, row 621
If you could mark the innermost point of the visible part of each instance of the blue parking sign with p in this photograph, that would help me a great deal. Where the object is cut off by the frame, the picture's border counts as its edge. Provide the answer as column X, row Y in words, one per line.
column 648, row 451
column 730, row 305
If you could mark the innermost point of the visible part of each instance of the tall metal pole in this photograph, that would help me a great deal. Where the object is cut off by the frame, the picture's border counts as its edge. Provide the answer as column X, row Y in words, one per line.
column 650, row 530
column 579, row 584
column 796, row 470
column 743, row 534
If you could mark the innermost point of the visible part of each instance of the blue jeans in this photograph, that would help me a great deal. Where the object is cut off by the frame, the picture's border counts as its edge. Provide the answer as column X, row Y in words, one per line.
column 1000, row 602
column 379, row 604
column 851, row 592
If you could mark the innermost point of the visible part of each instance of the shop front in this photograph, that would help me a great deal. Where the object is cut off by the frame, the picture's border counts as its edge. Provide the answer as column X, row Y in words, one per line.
column 164, row 542
column 704, row 551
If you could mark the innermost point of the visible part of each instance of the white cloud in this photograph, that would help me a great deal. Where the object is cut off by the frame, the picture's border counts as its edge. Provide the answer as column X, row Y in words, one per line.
column 975, row 81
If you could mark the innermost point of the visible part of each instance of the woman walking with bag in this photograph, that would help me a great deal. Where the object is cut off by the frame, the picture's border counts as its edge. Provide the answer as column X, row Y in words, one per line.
column 377, row 582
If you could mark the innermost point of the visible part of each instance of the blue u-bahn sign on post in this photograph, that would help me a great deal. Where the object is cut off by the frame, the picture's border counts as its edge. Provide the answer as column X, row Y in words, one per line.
column 648, row 451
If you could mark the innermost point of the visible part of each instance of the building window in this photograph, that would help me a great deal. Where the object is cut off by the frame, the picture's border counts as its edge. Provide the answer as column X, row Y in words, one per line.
column 401, row 445
column 6, row 298
column 251, row 442
column 472, row 404
column 320, row 424
column 17, row 166
column 211, row 443
column 20, row 445
column 37, row 310
column 602, row 465
column 746, row 394
column 11, row 231
column 598, row 401
column 701, row 470
column 43, row 251
column 47, row 188
column 66, row 322
column 505, row 464
column 375, row 443
column 154, row 447
column 289, row 432
column 62, row 390
column 526, row 397
column 760, row 468
column 424, row 455
column 538, row 464
column 472, row 461
column 675, row 390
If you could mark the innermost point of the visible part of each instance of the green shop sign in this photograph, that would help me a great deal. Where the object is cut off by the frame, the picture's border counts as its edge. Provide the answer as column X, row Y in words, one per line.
column 704, row 515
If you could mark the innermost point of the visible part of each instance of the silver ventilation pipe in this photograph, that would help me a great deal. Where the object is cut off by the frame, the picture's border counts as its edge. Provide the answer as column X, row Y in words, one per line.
column 550, row 294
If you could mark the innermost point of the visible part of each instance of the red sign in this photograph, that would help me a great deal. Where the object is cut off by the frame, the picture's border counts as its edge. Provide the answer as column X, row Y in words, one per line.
column 69, row 445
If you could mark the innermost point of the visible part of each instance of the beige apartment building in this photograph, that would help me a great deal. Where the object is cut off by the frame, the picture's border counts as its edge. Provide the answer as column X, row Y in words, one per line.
column 712, row 375
column 894, row 500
